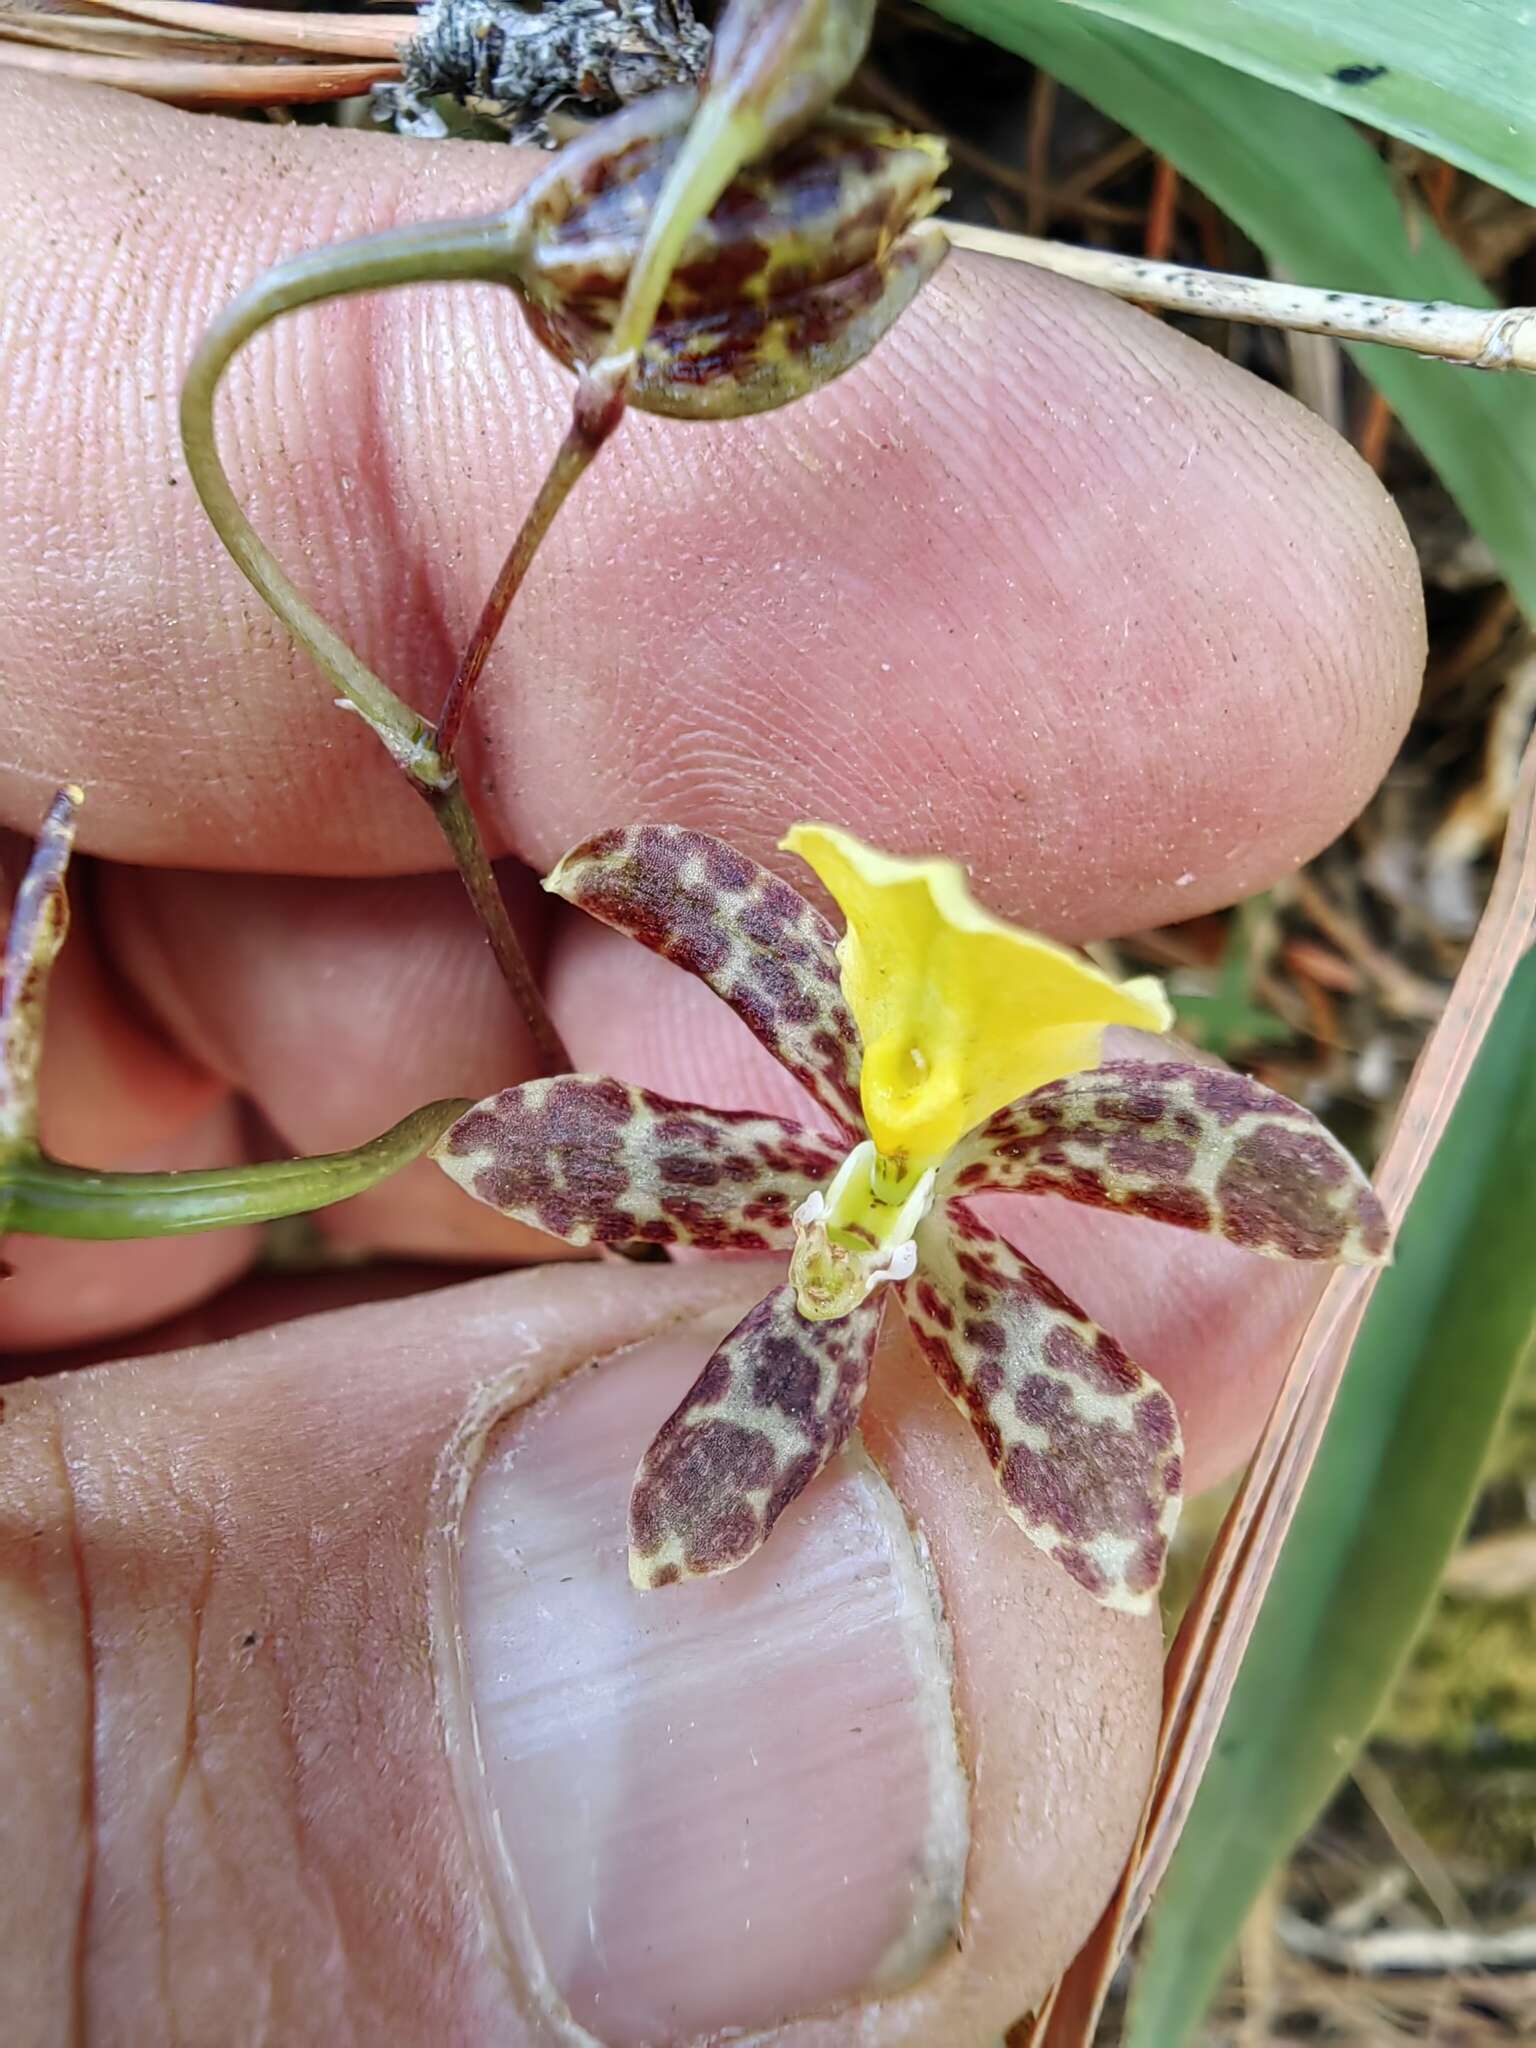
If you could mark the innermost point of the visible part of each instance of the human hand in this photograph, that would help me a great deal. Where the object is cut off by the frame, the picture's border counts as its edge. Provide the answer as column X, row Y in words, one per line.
column 1042, row 586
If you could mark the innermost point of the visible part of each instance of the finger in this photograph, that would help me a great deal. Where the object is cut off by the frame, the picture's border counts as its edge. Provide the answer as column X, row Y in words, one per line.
column 261, row 1301
column 338, row 1008
column 113, row 1093
column 392, row 1736
column 1109, row 619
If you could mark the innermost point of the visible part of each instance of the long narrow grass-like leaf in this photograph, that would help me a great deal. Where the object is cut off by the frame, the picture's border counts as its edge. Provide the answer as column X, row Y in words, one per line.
column 1388, row 1496
column 1457, row 77
column 1204, row 1661
column 1320, row 203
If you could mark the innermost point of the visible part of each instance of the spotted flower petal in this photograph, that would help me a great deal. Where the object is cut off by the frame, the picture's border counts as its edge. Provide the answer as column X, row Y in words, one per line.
column 752, row 938
column 959, row 1012
column 1086, row 1447
column 774, row 1403
column 1183, row 1144
column 597, row 1161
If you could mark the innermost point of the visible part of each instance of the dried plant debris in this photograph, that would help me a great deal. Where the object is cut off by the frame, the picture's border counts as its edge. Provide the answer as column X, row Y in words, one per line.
column 513, row 65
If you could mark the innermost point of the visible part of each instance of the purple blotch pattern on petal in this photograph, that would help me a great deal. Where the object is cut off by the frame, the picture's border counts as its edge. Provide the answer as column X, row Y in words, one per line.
column 1084, row 1444
column 1184, row 1144
column 598, row 1161
column 751, row 937
column 775, row 1402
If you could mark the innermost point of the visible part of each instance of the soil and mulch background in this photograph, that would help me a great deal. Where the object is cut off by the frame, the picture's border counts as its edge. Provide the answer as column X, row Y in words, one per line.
column 1400, row 1916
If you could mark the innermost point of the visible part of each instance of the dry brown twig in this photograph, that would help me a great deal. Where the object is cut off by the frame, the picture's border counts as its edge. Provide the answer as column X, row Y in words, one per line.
column 1477, row 817
column 203, row 55
column 337, row 35
column 1404, row 993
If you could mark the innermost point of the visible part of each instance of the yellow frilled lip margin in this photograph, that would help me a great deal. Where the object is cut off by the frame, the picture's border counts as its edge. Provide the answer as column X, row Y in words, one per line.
column 959, row 1012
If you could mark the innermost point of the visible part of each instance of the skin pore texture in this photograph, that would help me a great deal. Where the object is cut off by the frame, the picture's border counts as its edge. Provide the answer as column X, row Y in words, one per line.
column 370, row 1743
column 1043, row 587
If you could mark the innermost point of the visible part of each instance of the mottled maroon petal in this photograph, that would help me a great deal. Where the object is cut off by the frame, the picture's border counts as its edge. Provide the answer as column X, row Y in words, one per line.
column 1084, row 1444
column 597, row 1161
column 751, row 937
column 1183, row 1144
column 774, row 1403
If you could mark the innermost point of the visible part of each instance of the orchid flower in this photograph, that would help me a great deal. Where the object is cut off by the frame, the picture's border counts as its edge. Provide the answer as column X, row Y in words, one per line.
column 950, row 1056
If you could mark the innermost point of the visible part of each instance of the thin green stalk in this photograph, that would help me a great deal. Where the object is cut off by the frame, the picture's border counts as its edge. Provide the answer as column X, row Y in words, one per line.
column 476, row 249
column 483, row 250
column 42, row 1197
column 451, row 809
column 574, row 454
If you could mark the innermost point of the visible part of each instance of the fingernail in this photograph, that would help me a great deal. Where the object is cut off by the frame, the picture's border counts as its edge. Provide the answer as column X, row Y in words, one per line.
column 724, row 1805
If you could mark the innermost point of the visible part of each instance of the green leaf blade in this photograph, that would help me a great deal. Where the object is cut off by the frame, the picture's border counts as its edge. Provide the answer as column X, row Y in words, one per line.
column 1457, row 77
column 1316, row 198
column 1396, row 1476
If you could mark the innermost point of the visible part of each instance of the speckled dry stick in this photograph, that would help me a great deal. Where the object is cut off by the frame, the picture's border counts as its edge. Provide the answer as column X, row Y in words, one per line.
column 38, row 926
column 1482, row 337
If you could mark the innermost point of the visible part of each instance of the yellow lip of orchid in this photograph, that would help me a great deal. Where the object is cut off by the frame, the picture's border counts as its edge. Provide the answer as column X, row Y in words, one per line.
column 959, row 1012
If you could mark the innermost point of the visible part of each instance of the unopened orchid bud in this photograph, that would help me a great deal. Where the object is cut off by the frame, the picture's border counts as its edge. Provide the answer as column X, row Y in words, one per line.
column 775, row 66
column 780, row 62
column 804, row 262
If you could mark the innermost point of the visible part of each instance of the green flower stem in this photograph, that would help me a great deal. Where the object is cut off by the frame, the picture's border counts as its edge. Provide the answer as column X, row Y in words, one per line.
column 478, row 249
column 40, row 1197
column 483, row 250
column 451, row 809
column 776, row 63
column 575, row 452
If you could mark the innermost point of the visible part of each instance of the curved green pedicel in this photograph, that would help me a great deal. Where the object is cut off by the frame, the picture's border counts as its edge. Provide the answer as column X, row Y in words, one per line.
column 40, row 1197
column 43, row 1197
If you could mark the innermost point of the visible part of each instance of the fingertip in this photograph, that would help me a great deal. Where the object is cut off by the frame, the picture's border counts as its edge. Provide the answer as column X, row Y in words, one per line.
column 1107, row 618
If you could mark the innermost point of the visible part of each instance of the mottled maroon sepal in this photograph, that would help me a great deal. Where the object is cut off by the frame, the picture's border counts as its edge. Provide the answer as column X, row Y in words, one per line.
column 597, row 1161
column 775, row 1402
column 1183, row 1144
column 752, row 938
column 1085, row 1446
